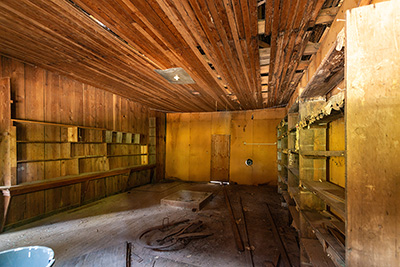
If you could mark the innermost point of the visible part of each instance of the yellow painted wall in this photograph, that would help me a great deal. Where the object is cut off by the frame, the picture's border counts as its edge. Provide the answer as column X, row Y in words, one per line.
column 188, row 144
column 336, row 142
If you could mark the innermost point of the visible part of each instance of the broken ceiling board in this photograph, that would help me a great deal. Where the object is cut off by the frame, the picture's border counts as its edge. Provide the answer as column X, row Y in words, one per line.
column 223, row 33
column 292, row 41
column 328, row 75
column 187, row 199
column 120, row 44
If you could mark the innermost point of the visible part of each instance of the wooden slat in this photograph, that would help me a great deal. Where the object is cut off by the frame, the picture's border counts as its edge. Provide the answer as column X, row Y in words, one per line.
column 316, row 253
column 333, row 248
column 333, row 195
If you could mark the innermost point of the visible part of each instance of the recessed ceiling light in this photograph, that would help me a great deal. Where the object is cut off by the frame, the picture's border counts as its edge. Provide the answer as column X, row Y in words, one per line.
column 176, row 75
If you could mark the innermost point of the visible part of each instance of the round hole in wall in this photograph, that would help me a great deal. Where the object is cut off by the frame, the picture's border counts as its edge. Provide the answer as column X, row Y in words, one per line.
column 248, row 162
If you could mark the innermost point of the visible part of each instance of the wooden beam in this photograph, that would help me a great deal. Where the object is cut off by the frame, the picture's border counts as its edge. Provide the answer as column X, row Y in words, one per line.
column 328, row 75
column 311, row 48
column 327, row 15
column 264, row 69
column 5, row 132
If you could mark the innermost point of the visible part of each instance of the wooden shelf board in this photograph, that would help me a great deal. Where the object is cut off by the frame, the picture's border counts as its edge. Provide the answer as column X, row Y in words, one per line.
column 282, row 136
column 282, row 179
column 322, row 153
column 339, row 225
column 295, row 171
column 335, row 114
column 332, row 194
column 295, row 216
column 288, row 199
column 318, row 222
column 315, row 253
column 55, row 124
column 69, row 180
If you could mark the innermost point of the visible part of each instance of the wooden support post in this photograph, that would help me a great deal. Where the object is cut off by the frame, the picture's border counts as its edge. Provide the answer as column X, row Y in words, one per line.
column 5, row 128
column 372, row 135
column 7, row 148
column 6, row 204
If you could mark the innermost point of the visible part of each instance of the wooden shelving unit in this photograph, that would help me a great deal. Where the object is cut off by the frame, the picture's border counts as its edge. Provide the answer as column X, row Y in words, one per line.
column 321, row 180
column 288, row 165
column 311, row 160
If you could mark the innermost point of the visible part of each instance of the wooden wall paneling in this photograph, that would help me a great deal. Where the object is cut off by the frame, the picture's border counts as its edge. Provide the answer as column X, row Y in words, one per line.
column 62, row 197
column 16, row 209
column 264, row 171
column 63, row 100
column 30, row 151
column 109, row 107
column 177, row 146
column 52, row 169
column 100, row 108
column 221, row 123
column 34, row 93
column 52, row 105
column 89, row 105
column 100, row 188
column 372, row 135
column 124, row 115
column 199, row 146
column 220, row 157
column 131, row 116
column 15, row 70
column 29, row 172
column 35, row 204
column 116, row 113
column 241, row 131
column 69, row 167
column 72, row 104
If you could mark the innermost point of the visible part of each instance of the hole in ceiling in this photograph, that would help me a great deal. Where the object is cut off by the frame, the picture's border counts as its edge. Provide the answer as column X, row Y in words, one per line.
column 201, row 50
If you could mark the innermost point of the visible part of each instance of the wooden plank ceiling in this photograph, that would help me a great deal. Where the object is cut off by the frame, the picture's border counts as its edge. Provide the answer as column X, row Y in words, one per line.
column 117, row 44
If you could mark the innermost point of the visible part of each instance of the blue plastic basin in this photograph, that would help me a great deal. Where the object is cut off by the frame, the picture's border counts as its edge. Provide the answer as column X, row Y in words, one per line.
column 33, row 256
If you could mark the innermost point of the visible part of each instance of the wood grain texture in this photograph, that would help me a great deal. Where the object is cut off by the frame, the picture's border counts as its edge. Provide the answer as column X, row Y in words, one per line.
column 193, row 132
column 56, row 106
column 220, row 156
column 372, row 134
column 5, row 132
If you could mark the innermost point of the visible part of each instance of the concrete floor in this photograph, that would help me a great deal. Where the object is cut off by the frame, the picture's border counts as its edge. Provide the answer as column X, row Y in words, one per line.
column 96, row 234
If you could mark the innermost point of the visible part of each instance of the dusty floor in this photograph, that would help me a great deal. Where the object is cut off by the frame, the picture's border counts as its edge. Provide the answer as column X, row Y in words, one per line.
column 96, row 234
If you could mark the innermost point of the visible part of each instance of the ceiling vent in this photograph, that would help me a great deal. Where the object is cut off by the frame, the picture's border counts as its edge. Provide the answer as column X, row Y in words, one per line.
column 176, row 75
